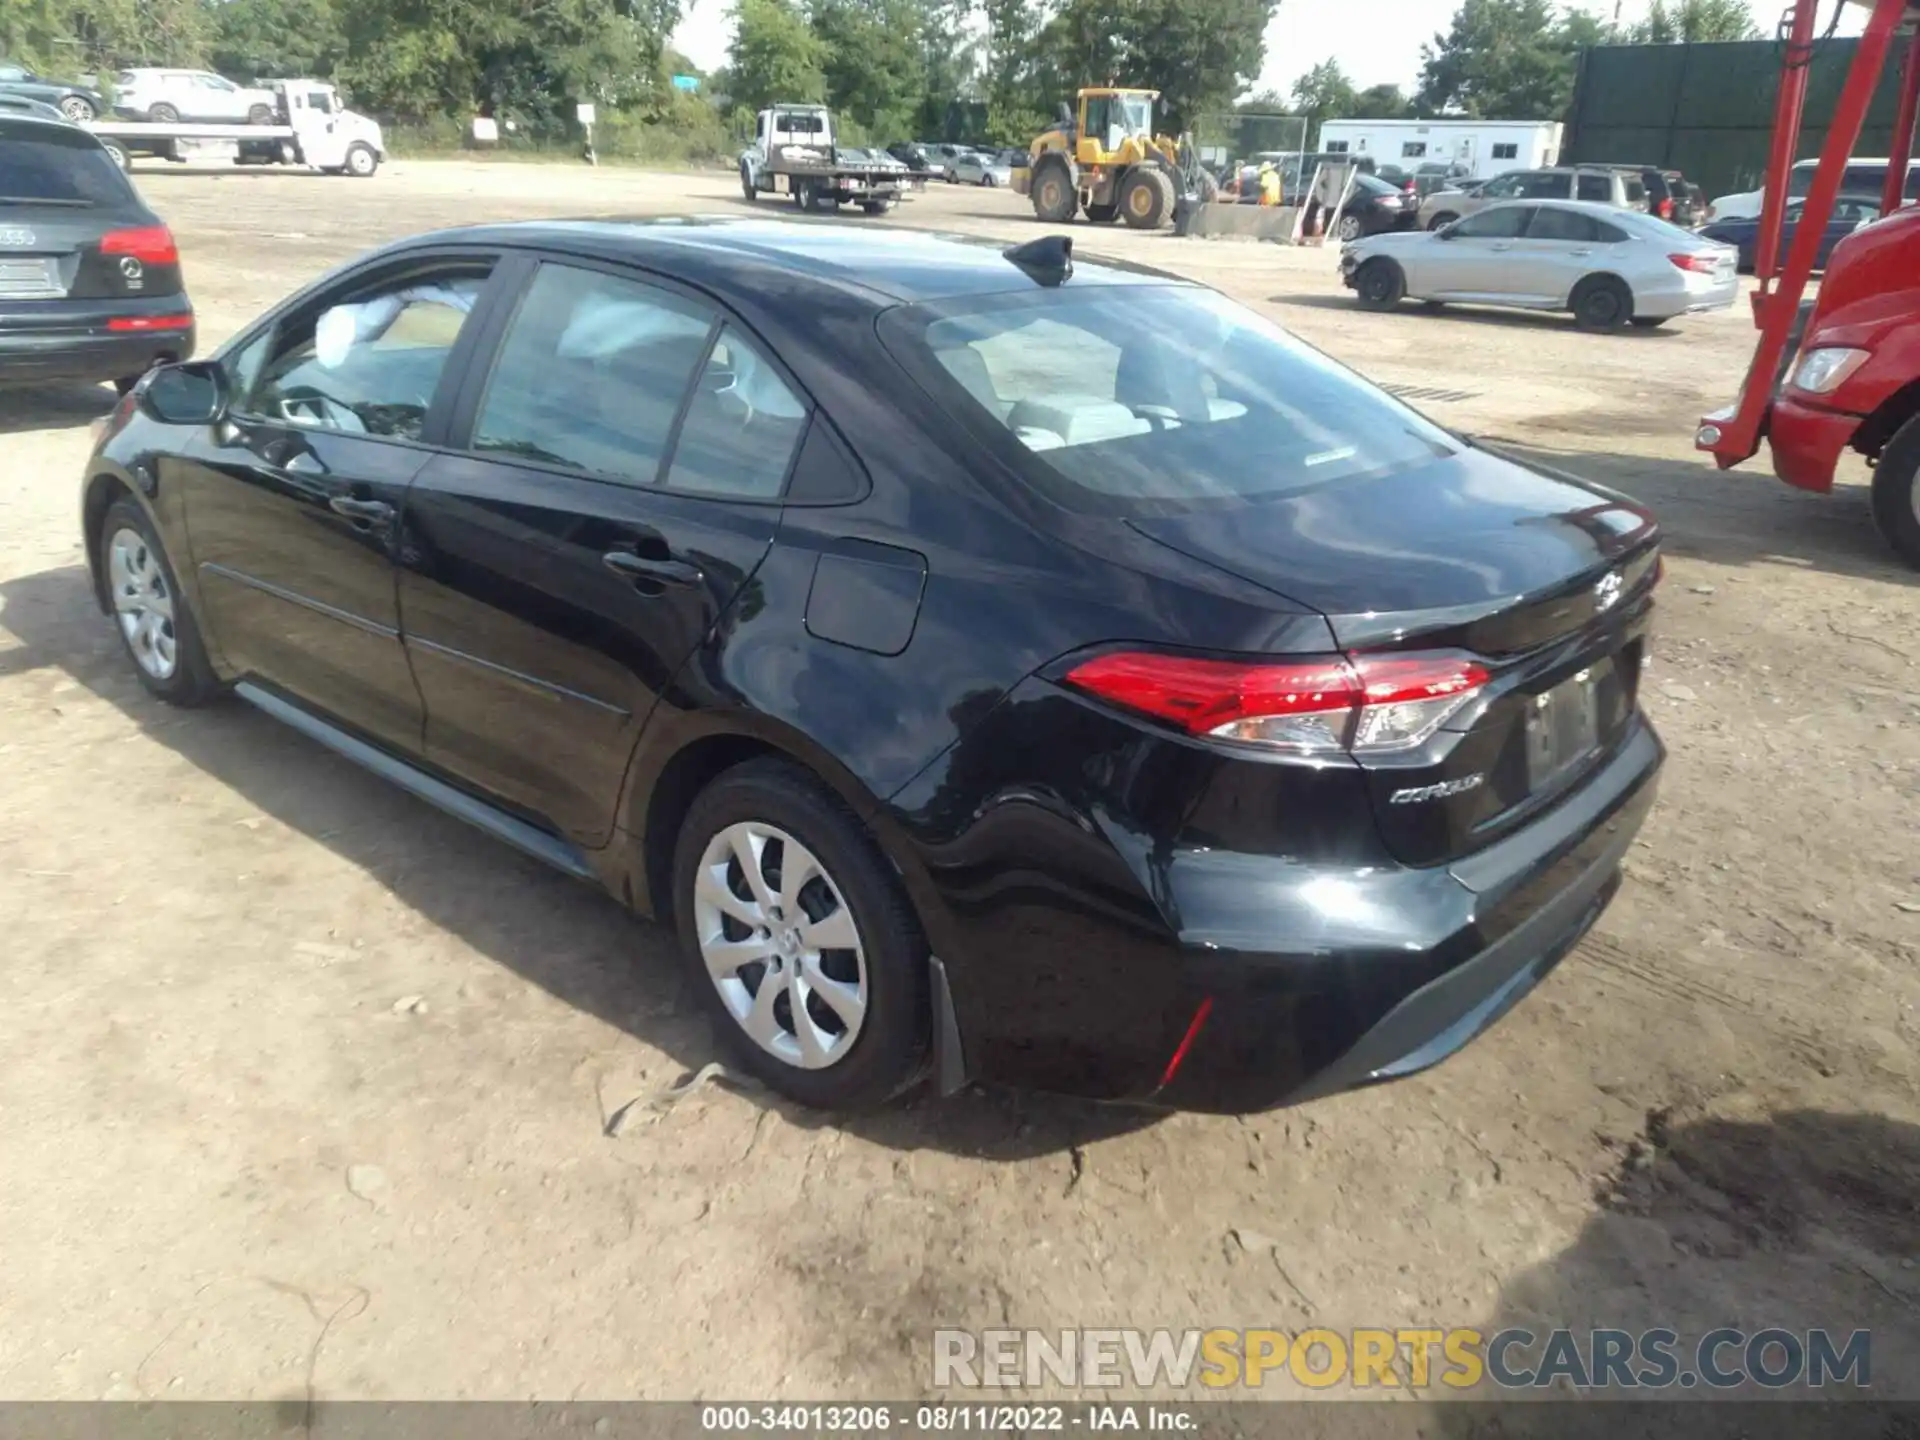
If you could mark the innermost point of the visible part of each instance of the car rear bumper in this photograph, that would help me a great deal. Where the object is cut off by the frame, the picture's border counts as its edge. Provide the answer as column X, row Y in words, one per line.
column 1688, row 295
column 1278, row 1029
column 1806, row 441
column 77, row 340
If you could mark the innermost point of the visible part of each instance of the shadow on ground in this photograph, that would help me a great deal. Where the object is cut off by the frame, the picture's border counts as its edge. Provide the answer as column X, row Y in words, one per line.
column 59, row 405
column 508, row 908
column 1799, row 1221
column 1481, row 315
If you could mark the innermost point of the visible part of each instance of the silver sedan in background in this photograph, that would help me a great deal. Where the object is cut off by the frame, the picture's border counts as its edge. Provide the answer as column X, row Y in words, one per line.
column 979, row 167
column 1607, row 265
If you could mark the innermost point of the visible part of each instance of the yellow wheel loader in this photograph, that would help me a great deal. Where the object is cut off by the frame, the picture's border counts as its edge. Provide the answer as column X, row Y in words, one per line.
column 1103, row 158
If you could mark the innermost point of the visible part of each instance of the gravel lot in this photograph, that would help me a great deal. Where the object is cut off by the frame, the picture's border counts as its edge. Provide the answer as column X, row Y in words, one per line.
column 239, row 1161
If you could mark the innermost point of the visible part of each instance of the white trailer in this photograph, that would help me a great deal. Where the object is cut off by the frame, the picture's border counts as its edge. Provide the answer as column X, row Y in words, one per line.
column 311, row 128
column 1485, row 147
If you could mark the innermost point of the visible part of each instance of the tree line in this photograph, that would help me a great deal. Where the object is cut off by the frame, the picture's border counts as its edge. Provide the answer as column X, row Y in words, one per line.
column 976, row 69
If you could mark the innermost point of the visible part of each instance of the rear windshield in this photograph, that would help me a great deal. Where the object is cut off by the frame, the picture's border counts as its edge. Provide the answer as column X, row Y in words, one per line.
column 57, row 166
column 1148, row 399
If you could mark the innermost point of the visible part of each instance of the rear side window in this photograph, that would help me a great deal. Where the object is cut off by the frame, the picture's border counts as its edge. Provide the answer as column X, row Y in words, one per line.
column 57, row 166
column 1593, row 187
column 742, row 427
column 1545, row 187
column 1148, row 399
column 591, row 374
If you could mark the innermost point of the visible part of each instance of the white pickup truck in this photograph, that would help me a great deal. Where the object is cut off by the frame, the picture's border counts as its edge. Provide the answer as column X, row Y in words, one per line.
column 309, row 127
column 794, row 155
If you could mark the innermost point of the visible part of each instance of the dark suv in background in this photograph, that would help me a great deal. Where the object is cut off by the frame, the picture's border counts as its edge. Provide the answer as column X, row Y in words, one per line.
column 90, row 285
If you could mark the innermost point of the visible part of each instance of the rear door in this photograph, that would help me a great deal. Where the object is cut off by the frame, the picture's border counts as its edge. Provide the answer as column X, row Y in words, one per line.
column 293, row 505
column 621, row 461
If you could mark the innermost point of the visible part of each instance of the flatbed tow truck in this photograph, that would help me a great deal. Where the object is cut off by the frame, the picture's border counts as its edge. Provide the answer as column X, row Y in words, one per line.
column 795, row 156
column 311, row 128
column 1841, row 371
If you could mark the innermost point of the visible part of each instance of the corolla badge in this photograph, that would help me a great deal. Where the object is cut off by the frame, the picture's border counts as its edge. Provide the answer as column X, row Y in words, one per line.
column 16, row 236
column 1607, row 590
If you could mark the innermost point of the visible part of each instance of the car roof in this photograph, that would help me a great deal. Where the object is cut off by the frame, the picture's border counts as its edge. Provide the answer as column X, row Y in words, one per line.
column 723, row 253
column 18, row 120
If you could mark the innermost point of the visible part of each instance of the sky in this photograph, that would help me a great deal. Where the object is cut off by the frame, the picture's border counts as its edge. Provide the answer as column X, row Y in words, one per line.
column 1382, row 50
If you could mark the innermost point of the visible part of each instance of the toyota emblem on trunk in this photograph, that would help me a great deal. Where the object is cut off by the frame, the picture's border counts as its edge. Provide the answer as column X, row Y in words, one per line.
column 1607, row 590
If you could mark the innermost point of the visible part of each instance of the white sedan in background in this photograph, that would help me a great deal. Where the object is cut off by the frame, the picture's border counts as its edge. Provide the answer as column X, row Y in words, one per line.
column 1607, row 265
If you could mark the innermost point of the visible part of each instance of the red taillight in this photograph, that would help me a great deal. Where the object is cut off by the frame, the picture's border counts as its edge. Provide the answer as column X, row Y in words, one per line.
column 1356, row 703
column 150, row 245
column 149, row 322
column 1664, row 210
column 1699, row 264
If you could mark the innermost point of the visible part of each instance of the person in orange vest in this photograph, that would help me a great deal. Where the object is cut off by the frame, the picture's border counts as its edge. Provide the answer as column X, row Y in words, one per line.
column 1269, row 184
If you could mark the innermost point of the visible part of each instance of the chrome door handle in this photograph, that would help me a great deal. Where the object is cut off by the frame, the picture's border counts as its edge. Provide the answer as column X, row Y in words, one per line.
column 376, row 512
column 1580, row 254
column 1500, row 247
column 662, row 572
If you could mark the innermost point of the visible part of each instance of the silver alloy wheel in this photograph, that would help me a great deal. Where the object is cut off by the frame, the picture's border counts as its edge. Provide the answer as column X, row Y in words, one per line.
column 780, row 945
column 142, row 603
column 1349, row 228
column 77, row 109
column 360, row 161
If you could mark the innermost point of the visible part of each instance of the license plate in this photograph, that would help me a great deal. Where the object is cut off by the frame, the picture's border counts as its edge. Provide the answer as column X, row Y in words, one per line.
column 29, row 278
column 1563, row 728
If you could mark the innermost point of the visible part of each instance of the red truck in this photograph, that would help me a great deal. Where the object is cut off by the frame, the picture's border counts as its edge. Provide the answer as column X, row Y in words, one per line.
column 1842, row 372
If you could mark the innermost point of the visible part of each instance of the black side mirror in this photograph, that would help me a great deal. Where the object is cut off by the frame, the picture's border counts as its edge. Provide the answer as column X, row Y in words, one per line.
column 194, row 392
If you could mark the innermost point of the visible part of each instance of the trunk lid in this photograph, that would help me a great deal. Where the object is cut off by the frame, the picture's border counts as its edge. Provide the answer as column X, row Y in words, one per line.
column 1547, row 582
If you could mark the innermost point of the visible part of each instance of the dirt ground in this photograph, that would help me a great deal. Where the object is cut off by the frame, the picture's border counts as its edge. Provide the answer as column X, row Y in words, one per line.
column 240, row 1158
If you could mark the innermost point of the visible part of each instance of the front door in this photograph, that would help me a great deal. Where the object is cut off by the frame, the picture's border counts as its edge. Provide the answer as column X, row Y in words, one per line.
column 293, row 504
column 617, row 484
column 1476, row 257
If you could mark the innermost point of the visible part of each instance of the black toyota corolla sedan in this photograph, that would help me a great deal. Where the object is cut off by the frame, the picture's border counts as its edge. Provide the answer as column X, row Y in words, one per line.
column 993, row 666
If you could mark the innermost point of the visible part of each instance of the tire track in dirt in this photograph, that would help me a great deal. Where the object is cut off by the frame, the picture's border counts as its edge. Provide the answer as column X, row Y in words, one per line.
column 1677, row 979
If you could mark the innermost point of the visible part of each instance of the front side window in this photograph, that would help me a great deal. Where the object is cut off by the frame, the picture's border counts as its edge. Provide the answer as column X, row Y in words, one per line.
column 591, row 374
column 369, row 365
column 1502, row 222
column 1504, row 188
column 1145, row 399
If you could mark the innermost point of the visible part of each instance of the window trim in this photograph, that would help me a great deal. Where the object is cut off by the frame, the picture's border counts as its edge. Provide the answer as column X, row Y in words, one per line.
column 336, row 288
column 486, row 354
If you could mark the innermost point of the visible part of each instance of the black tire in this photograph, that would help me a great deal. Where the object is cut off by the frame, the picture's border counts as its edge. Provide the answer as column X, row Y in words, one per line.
column 1896, row 492
column 78, row 109
column 1054, row 198
column 192, row 681
column 1208, row 189
column 1103, row 214
column 1381, row 285
column 889, row 1052
column 746, row 183
column 361, row 160
column 1146, row 198
column 1442, row 220
column 163, row 114
column 260, row 115
column 1650, row 322
column 877, row 207
column 1602, row 303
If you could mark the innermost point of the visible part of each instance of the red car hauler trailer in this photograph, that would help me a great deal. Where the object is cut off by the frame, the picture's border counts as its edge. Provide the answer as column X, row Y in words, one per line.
column 1844, row 371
